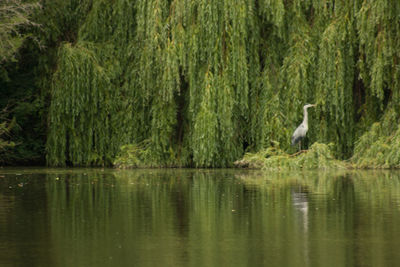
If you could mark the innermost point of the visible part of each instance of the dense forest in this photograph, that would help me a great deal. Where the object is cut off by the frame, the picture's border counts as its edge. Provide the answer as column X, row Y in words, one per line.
column 197, row 83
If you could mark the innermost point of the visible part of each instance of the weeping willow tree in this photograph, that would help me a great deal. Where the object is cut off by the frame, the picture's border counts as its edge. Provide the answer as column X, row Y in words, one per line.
column 198, row 83
column 379, row 66
column 91, row 112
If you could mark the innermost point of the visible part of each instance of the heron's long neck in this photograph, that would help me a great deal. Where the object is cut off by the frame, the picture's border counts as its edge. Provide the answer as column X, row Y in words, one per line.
column 305, row 120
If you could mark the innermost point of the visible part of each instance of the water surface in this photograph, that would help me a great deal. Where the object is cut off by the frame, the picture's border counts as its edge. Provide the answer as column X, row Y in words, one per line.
column 96, row 217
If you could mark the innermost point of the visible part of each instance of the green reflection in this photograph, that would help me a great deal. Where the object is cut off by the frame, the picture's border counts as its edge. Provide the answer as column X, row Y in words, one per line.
column 94, row 217
column 349, row 218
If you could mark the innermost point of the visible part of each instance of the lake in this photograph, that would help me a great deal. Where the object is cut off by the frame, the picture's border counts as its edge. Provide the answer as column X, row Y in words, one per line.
column 179, row 217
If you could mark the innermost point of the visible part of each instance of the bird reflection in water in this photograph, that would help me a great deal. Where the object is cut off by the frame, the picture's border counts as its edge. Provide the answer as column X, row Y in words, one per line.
column 301, row 204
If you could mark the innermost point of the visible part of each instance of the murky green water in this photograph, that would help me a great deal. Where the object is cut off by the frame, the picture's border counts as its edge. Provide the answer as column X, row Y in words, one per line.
column 86, row 217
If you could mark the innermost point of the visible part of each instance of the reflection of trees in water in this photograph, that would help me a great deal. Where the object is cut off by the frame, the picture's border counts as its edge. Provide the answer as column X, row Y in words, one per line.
column 345, row 213
column 210, row 217
column 24, row 223
column 159, row 210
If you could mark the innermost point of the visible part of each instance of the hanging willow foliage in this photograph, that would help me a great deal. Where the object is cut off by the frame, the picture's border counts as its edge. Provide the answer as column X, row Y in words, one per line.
column 202, row 81
column 378, row 28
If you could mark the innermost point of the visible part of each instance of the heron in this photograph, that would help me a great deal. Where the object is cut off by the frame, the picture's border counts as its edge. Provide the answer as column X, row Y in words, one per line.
column 301, row 131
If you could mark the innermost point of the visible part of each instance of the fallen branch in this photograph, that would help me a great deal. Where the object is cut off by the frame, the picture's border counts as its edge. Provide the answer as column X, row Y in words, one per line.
column 298, row 153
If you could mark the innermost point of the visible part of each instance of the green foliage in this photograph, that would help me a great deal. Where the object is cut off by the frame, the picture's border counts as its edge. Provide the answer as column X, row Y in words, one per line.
column 211, row 78
column 319, row 156
column 198, row 77
column 5, row 129
column 335, row 79
column 201, row 82
column 88, row 114
column 25, row 77
column 135, row 156
column 16, row 25
column 14, row 16
column 379, row 147
column 378, row 29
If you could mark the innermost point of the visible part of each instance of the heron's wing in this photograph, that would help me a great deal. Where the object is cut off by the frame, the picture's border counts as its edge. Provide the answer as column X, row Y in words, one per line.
column 298, row 134
column 296, row 139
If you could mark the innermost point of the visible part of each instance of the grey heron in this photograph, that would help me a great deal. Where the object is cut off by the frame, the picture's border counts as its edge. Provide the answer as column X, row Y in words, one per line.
column 301, row 131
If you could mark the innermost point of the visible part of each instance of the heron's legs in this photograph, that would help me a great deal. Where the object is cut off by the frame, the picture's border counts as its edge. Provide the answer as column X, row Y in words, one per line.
column 299, row 145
